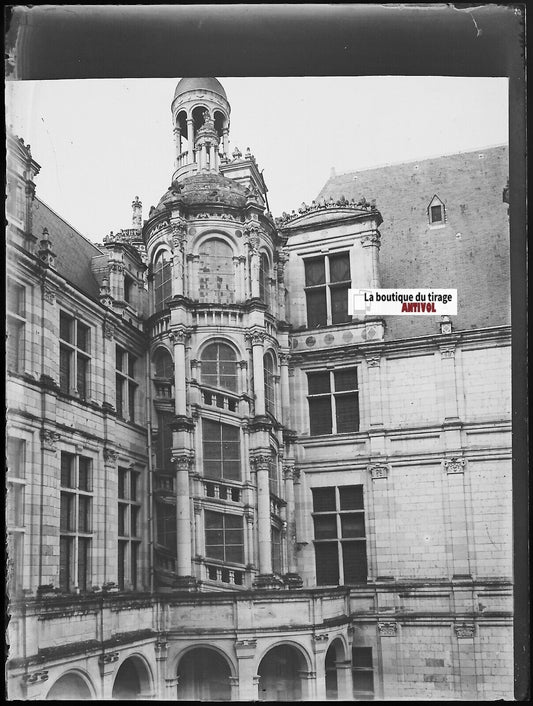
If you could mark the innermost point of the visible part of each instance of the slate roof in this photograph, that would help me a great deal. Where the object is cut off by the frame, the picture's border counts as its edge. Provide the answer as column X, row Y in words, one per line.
column 73, row 251
column 470, row 253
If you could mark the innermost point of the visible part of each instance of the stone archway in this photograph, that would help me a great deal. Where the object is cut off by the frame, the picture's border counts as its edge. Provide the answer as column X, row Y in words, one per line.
column 132, row 680
column 280, row 674
column 204, row 675
column 335, row 671
column 69, row 687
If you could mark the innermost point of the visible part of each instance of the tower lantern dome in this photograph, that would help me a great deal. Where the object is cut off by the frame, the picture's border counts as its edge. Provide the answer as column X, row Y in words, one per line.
column 200, row 116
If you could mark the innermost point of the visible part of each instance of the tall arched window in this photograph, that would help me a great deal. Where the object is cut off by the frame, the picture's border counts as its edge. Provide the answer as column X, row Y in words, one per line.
column 264, row 279
column 219, row 366
column 216, row 276
column 268, row 366
column 162, row 280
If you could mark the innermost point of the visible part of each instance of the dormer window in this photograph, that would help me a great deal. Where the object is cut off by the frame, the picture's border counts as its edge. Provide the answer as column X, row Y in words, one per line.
column 436, row 212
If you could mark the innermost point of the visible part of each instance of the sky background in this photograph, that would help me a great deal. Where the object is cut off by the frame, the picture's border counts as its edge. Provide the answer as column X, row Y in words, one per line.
column 101, row 142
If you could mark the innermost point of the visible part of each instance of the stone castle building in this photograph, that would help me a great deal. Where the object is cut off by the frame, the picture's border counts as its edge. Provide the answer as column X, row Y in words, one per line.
column 220, row 484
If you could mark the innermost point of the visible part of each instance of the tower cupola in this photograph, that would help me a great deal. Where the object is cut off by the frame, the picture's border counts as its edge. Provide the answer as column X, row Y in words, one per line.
column 200, row 115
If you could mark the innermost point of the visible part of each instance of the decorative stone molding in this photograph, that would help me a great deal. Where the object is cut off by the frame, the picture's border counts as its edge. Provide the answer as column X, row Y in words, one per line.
column 454, row 465
column 109, row 330
column 183, row 461
column 171, row 682
column 161, row 648
column 465, row 630
column 387, row 629
column 379, row 470
column 116, row 267
column 447, row 351
column 243, row 364
column 321, row 637
column 255, row 336
column 35, row 677
column 371, row 239
column 324, row 204
column 296, row 474
column 288, row 471
column 110, row 456
column 49, row 439
column 245, row 649
column 260, row 462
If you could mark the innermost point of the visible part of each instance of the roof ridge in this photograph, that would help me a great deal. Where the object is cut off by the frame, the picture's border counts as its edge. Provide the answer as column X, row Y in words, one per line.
column 95, row 246
column 384, row 165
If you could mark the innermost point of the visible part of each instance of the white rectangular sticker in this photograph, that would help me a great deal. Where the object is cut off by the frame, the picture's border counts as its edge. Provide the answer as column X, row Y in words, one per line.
column 399, row 302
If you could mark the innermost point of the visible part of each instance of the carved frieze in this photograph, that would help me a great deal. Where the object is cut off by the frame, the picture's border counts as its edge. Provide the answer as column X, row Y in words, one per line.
column 35, row 677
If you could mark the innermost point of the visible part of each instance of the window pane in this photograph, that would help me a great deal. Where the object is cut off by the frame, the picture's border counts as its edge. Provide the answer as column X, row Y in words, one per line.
column 121, row 563
column 15, row 345
column 363, row 681
column 345, row 379
column 216, row 272
column 15, row 298
column 339, row 267
column 318, row 383
column 316, row 307
column 134, row 516
column 362, row 657
column 66, row 521
column 214, row 551
column 347, row 407
column 131, row 366
column 134, row 477
column 119, row 357
column 119, row 398
column 163, row 364
column 64, row 369
column 327, row 564
column 65, row 327
column 16, row 449
column 84, row 516
column 82, row 375
column 351, row 497
column 436, row 214
column 83, row 337
column 132, row 388
column 354, row 559
column 122, row 476
column 213, row 520
column 85, row 480
column 235, row 554
column 67, row 461
column 122, row 509
column 320, row 415
column 339, row 305
column 65, row 558
column 83, row 563
column 325, row 527
column 323, row 499
column 315, row 272
column 353, row 525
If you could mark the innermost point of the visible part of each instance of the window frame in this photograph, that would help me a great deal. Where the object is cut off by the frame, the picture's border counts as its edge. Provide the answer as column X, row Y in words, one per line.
column 218, row 361
column 341, row 541
column 224, row 544
column 16, row 327
column 362, row 693
column 162, row 279
column 436, row 202
column 328, row 286
column 332, row 395
column 16, row 509
column 264, row 279
column 211, row 295
column 128, row 541
column 74, row 354
column 221, row 442
column 270, row 383
column 127, row 384
column 76, row 537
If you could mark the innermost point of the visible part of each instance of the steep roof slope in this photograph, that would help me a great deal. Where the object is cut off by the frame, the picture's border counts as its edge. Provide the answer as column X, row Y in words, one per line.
column 471, row 251
column 74, row 252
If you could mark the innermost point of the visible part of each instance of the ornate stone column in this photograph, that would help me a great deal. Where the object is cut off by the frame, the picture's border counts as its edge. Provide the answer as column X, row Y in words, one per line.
column 448, row 382
column 183, row 462
column 253, row 243
column 257, row 338
column 283, row 258
column 190, row 138
column 179, row 230
column 261, row 463
column 284, row 389
column 178, row 337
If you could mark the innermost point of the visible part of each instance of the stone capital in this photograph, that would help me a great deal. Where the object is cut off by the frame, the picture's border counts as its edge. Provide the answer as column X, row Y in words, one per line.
column 454, row 465
column 447, row 351
column 373, row 360
column 49, row 293
column 110, row 456
column 179, row 335
column 49, row 439
column 109, row 330
column 379, row 470
column 183, row 461
column 261, row 461
column 371, row 239
column 465, row 630
column 387, row 629
column 255, row 336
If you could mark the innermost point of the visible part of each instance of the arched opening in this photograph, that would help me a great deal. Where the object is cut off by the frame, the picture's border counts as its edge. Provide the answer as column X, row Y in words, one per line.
column 162, row 280
column 219, row 122
column 219, row 366
column 280, row 674
column 181, row 124
column 264, row 279
column 70, row 687
column 334, row 656
column 216, row 272
column 132, row 681
column 198, row 117
column 203, row 675
column 163, row 374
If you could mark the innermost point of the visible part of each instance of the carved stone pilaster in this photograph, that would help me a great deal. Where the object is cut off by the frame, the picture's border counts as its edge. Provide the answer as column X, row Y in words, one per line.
column 49, row 439
column 387, row 629
column 454, row 465
column 379, row 470
column 373, row 361
column 465, row 630
column 49, row 293
column 447, row 351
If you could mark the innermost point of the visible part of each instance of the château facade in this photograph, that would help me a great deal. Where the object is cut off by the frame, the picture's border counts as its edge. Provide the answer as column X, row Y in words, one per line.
column 223, row 486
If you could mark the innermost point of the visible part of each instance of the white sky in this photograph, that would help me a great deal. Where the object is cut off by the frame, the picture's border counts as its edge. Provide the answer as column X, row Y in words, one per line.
column 100, row 142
